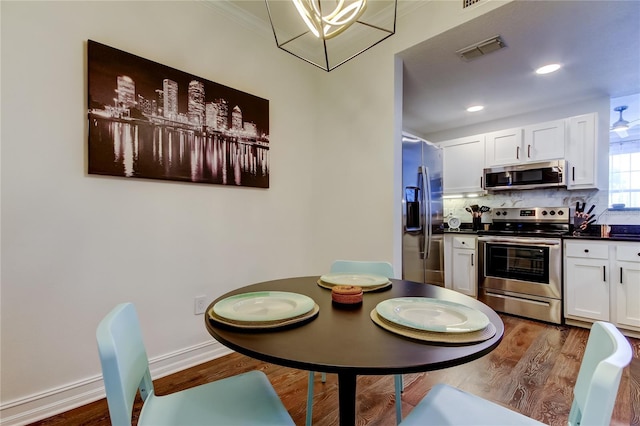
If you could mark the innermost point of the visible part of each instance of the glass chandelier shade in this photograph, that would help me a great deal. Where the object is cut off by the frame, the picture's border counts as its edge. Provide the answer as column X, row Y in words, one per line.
column 328, row 33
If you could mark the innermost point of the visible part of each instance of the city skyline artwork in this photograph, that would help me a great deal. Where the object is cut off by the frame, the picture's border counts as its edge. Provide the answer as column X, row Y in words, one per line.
column 148, row 120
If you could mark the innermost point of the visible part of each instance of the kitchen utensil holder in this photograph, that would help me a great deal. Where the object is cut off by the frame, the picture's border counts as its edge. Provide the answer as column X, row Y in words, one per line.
column 581, row 225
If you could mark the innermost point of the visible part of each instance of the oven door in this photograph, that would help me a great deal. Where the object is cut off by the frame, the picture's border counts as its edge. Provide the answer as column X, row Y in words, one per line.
column 531, row 266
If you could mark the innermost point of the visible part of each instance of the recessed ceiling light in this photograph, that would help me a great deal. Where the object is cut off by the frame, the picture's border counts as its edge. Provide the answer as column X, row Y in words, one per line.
column 548, row 69
column 475, row 108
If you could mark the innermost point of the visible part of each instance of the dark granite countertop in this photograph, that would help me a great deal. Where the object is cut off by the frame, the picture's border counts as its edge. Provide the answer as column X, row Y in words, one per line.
column 594, row 234
column 629, row 233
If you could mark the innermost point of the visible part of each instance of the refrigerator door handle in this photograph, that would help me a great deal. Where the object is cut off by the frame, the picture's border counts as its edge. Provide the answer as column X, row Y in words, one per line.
column 426, row 200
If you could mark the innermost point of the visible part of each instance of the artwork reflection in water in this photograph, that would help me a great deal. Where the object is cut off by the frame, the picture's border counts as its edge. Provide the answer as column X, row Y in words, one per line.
column 207, row 133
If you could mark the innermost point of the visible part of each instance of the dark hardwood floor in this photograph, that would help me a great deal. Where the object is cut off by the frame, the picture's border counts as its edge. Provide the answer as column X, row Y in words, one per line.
column 532, row 371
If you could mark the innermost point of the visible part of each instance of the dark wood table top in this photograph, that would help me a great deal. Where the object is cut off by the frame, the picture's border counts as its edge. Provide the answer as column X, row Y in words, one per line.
column 343, row 340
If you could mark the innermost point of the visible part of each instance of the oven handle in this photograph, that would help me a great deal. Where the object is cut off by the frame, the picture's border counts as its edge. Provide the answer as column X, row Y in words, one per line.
column 508, row 295
column 520, row 241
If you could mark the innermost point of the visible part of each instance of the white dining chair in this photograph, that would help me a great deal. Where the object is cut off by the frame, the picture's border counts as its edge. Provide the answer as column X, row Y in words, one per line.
column 381, row 268
column 244, row 399
column 607, row 353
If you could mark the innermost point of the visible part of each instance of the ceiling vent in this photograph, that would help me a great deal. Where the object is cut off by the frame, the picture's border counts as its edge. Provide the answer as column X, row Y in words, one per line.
column 467, row 3
column 480, row 49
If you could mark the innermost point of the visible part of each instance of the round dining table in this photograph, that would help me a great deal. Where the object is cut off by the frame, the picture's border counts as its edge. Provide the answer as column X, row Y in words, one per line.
column 346, row 341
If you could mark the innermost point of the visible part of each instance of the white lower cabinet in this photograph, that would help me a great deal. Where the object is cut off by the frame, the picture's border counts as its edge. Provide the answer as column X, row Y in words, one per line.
column 602, row 282
column 627, row 283
column 460, row 264
column 586, row 280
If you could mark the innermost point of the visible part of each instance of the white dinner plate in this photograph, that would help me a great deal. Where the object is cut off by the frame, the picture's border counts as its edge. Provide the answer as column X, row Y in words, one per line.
column 423, row 313
column 361, row 280
column 265, row 325
column 263, row 306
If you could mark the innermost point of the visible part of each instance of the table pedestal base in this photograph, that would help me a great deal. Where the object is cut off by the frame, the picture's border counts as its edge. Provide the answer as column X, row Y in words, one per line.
column 347, row 399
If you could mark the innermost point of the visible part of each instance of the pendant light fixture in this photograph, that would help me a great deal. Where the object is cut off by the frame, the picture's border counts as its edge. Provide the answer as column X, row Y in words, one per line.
column 328, row 33
column 332, row 24
column 621, row 126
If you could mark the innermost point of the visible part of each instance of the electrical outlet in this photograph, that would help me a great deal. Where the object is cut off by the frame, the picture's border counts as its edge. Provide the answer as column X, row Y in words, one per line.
column 199, row 305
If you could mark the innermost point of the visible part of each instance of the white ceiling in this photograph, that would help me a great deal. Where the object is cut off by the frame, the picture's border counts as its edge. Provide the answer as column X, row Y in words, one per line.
column 597, row 42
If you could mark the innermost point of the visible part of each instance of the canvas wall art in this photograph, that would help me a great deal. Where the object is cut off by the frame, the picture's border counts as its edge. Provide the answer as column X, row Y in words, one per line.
column 148, row 120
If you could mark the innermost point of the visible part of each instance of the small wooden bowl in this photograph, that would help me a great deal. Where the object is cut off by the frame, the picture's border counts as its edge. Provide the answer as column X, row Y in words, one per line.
column 346, row 294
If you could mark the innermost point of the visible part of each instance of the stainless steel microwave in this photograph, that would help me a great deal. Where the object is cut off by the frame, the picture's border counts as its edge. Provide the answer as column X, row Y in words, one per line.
column 549, row 174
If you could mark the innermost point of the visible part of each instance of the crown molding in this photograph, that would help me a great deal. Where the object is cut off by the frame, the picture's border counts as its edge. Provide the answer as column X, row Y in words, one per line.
column 234, row 11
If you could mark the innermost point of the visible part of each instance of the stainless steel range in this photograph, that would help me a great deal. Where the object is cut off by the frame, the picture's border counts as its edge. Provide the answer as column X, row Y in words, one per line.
column 520, row 262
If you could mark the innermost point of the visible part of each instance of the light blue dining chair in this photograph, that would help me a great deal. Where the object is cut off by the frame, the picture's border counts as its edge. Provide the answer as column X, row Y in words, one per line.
column 245, row 399
column 607, row 353
column 381, row 268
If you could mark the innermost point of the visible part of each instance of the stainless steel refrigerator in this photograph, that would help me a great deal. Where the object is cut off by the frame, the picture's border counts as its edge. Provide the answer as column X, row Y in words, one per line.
column 422, row 212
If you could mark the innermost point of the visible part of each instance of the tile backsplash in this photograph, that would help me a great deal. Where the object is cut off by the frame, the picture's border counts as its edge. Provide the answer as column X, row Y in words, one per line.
column 543, row 198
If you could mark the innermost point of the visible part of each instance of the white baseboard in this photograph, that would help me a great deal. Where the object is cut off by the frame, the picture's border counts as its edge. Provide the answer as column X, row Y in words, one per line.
column 64, row 398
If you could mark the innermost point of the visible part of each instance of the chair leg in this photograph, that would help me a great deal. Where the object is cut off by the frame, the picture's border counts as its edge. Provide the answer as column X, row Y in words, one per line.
column 399, row 387
column 323, row 378
column 309, row 399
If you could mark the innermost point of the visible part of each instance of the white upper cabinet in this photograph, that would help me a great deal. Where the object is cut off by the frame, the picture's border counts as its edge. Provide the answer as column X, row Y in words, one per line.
column 463, row 164
column 544, row 141
column 503, row 147
column 574, row 139
column 581, row 151
column 538, row 142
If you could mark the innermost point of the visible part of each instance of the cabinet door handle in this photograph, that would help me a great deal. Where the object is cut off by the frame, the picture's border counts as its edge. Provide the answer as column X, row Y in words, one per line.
column 517, row 152
column 483, row 187
column 573, row 174
column 604, row 273
column 472, row 262
column 586, row 250
column 528, row 151
column 621, row 275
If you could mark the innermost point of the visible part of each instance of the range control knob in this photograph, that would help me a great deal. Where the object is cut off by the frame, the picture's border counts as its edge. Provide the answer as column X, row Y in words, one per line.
column 498, row 213
column 552, row 212
column 560, row 212
column 544, row 212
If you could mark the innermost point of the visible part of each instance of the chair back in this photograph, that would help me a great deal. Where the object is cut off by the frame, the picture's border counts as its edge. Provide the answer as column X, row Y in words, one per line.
column 363, row 267
column 607, row 353
column 125, row 366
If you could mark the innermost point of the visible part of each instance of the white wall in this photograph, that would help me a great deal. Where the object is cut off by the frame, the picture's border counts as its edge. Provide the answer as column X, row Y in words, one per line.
column 358, row 156
column 74, row 245
column 599, row 104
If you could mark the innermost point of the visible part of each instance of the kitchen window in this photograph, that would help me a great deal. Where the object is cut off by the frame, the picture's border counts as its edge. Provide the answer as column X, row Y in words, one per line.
column 624, row 173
